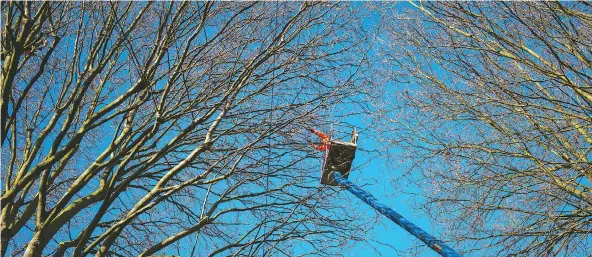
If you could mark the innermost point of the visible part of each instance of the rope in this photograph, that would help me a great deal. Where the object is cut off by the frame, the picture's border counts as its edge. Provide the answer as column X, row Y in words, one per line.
column 428, row 239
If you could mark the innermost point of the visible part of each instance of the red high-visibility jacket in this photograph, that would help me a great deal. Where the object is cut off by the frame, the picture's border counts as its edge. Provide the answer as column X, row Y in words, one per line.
column 324, row 140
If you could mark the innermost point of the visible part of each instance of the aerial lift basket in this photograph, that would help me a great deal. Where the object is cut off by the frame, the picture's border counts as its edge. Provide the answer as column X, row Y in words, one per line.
column 339, row 157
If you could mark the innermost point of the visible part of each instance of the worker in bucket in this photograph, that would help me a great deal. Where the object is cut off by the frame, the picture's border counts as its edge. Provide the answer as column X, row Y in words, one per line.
column 324, row 145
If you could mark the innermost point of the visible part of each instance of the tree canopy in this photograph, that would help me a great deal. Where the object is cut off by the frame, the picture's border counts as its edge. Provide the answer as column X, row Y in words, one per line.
column 180, row 128
column 493, row 112
column 134, row 128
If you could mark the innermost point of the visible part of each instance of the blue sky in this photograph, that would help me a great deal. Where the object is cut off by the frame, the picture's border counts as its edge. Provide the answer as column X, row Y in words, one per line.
column 375, row 174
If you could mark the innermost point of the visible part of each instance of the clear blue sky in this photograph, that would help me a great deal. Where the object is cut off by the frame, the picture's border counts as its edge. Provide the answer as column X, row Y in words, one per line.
column 375, row 175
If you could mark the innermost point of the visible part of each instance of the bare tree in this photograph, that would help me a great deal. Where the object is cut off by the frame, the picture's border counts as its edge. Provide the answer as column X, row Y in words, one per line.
column 171, row 128
column 493, row 106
